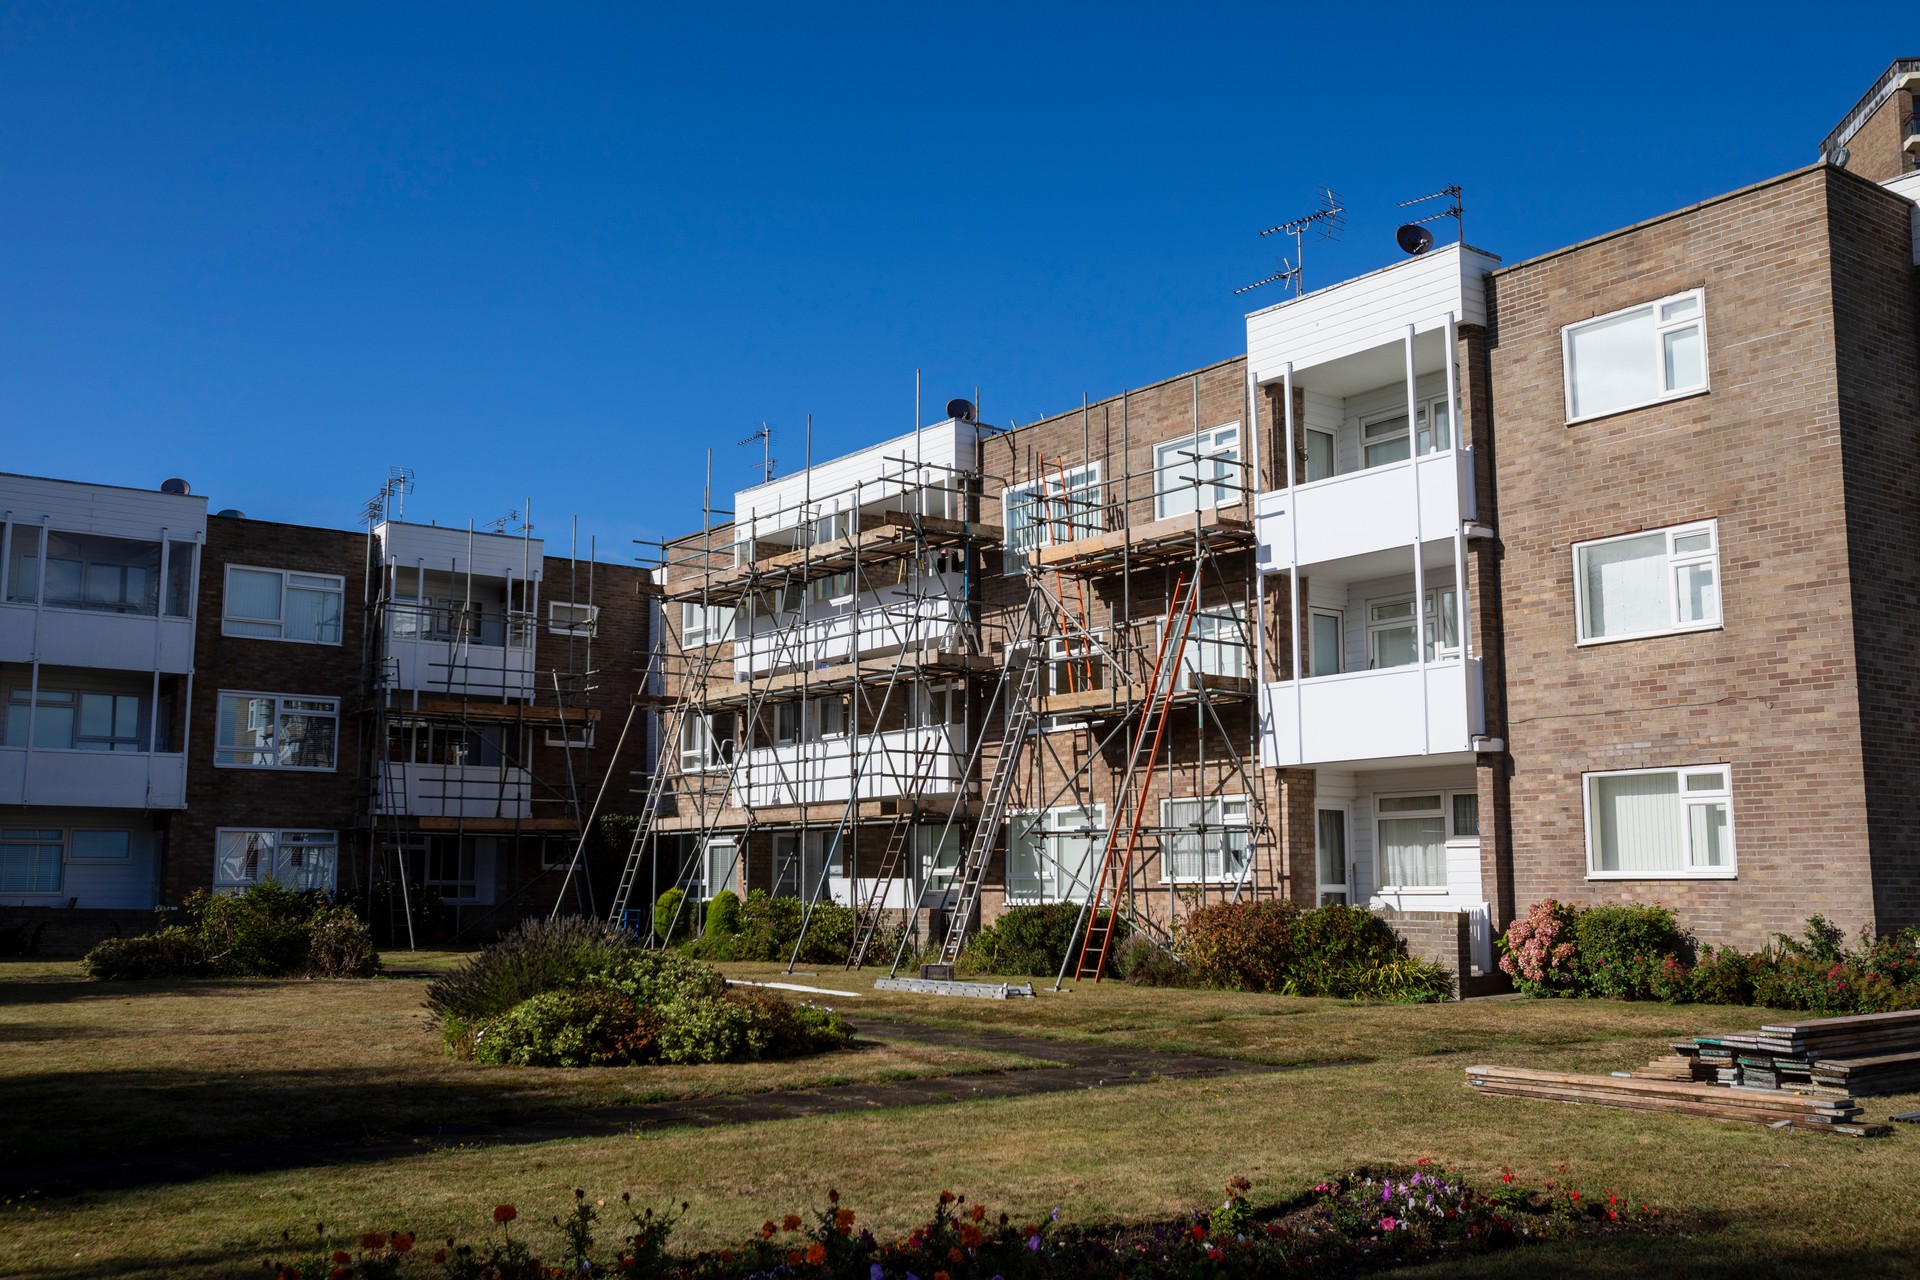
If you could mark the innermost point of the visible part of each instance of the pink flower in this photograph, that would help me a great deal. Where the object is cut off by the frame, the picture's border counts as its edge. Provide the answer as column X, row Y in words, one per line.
column 1388, row 1224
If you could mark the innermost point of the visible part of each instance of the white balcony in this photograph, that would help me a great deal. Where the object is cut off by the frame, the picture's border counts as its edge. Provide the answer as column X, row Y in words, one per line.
column 1408, row 714
column 93, row 779
column 936, row 623
column 87, row 638
column 1364, row 512
column 468, row 667
column 889, row 764
column 456, row 791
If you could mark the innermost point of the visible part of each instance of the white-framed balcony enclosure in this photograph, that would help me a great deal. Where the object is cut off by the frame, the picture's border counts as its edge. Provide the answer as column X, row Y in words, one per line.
column 88, row 737
column 443, row 769
column 810, row 860
column 1369, row 516
column 929, row 760
column 98, row 576
column 458, row 612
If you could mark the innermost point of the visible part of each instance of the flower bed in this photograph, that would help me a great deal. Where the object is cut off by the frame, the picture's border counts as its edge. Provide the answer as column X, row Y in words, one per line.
column 1360, row 1222
column 1638, row 952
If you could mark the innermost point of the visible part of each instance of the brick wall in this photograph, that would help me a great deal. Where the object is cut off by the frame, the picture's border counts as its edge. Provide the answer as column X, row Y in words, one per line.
column 1878, row 146
column 1775, row 692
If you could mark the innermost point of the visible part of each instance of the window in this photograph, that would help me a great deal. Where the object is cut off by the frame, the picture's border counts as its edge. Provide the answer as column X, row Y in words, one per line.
column 1648, row 584
column 1319, row 454
column 717, row 865
column 276, row 604
column 30, row 860
column 76, row 721
column 107, row 575
column 1216, row 646
column 99, row 846
column 1390, row 629
column 833, row 588
column 51, row 728
column 1385, row 440
column 575, row 736
column 1413, row 842
column 297, row 859
column 1197, row 471
column 705, row 624
column 276, row 731
column 453, row 869
column 830, row 716
column 706, row 742
column 939, row 860
column 933, row 704
column 1205, row 839
column 1466, row 815
column 1660, row 823
column 429, row 742
column 1049, row 511
column 1326, row 643
column 568, row 619
column 1636, row 357
column 1330, row 831
column 787, row 718
column 1075, row 664
column 786, row 865
column 1050, row 854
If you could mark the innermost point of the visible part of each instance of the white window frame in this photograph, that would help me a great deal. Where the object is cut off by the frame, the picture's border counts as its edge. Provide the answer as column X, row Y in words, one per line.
column 1685, row 800
column 699, row 750
column 464, row 886
column 228, row 620
column 789, row 722
column 1229, row 822
column 1075, row 659
column 1657, row 353
column 709, row 849
column 279, row 701
column 1313, row 655
column 1333, row 455
column 73, row 845
column 821, row 733
column 705, row 624
column 1174, row 471
column 565, row 738
column 1676, row 561
column 833, row 588
column 24, row 836
column 1048, row 823
column 579, row 619
column 302, row 838
column 1426, row 626
column 1444, row 812
column 1078, row 488
column 1325, row 889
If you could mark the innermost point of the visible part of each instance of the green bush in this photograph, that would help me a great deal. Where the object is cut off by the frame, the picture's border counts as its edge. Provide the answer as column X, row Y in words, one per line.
column 539, row 955
column 1032, row 941
column 1241, row 946
column 269, row 931
column 672, row 919
column 769, row 927
column 1338, row 950
column 1399, row 980
column 168, row 953
column 723, row 914
column 1332, row 951
column 1724, row 975
column 589, row 1027
column 792, row 1030
column 1142, row 962
column 652, row 979
column 1619, row 950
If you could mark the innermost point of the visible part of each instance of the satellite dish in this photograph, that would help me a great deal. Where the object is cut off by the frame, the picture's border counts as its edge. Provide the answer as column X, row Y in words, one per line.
column 231, row 513
column 960, row 410
column 175, row 486
column 1839, row 156
column 1413, row 238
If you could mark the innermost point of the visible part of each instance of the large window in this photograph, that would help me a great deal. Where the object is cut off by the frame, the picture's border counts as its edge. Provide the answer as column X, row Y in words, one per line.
column 276, row 604
column 1050, row 854
column 702, row 624
column 438, row 742
column 1205, row 839
column 1660, row 823
column 706, row 741
column 108, row 575
column 296, row 859
column 63, row 720
column 1640, row 356
column 1075, row 663
column 1216, row 646
column 277, row 731
column 30, row 859
column 1648, row 584
column 1386, row 439
column 1413, row 842
column 1330, row 855
column 1394, row 639
column 568, row 619
column 718, row 861
column 1056, row 509
column 1197, row 471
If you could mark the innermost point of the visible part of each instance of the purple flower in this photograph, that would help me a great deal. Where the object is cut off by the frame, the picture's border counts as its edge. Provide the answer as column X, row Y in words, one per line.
column 876, row 1271
column 1033, row 1244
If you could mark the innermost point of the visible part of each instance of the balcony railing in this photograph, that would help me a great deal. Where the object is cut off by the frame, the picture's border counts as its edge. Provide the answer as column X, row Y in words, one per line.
column 1390, row 713
column 1360, row 512
column 890, row 764
column 455, row 791
column 93, row 779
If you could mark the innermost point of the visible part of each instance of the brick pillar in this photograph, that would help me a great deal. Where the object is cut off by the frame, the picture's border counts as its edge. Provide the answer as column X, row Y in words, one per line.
column 1299, row 877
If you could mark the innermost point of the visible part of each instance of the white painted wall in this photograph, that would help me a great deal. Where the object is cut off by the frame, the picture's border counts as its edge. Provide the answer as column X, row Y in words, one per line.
column 95, row 779
column 441, row 667
column 884, row 621
column 827, row 487
column 102, row 508
column 487, row 555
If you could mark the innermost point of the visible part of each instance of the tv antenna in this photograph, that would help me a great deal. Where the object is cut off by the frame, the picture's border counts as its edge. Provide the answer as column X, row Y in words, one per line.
column 1325, row 222
column 391, row 502
column 508, row 523
column 1410, row 235
column 765, row 436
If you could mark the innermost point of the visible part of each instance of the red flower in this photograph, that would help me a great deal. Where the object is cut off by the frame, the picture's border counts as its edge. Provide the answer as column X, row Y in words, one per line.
column 373, row 1240
column 505, row 1213
column 843, row 1219
column 791, row 1223
column 954, row 1255
column 970, row 1236
column 726, row 1255
column 341, row 1258
column 979, row 1212
column 941, row 1275
column 793, row 1258
column 402, row 1241
column 816, row 1253
column 767, row 1229
column 946, row 1197
column 439, row 1255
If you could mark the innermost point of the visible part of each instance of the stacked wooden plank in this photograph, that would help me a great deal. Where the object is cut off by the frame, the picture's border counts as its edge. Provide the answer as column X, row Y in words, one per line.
column 1865, row 1054
column 1771, row 1107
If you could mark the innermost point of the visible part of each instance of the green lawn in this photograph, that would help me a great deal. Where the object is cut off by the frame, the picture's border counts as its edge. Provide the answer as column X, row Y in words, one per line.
column 91, row 1069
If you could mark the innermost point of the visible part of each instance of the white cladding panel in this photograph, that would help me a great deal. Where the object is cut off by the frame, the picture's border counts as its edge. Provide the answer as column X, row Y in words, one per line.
column 477, row 670
column 83, row 638
column 456, row 791
column 1908, row 185
column 487, row 555
column 1367, row 311
column 1372, row 715
column 103, row 509
column 889, row 764
column 94, row 779
column 1366, row 511
column 934, row 622
column 827, row 487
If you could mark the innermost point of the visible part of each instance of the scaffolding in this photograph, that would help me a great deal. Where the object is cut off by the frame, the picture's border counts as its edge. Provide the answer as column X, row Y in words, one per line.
column 850, row 621
column 454, row 700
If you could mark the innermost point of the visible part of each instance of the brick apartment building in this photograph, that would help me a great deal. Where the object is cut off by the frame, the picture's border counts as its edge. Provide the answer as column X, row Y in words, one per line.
column 1600, row 566
column 199, row 702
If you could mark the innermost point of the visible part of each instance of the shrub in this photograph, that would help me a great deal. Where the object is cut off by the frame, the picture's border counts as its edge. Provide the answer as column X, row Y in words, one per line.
column 672, row 918
column 539, row 955
column 167, row 953
column 1619, row 950
column 723, row 914
column 1338, row 949
column 1241, row 946
column 1538, row 952
column 1032, row 941
column 589, row 1027
column 1141, row 962
column 261, row 932
column 339, row 946
column 1399, row 980
column 1724, row 975
column 652, row 979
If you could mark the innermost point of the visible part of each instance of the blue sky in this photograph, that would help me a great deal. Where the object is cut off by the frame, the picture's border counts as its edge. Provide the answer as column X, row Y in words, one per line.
column 558, row 251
